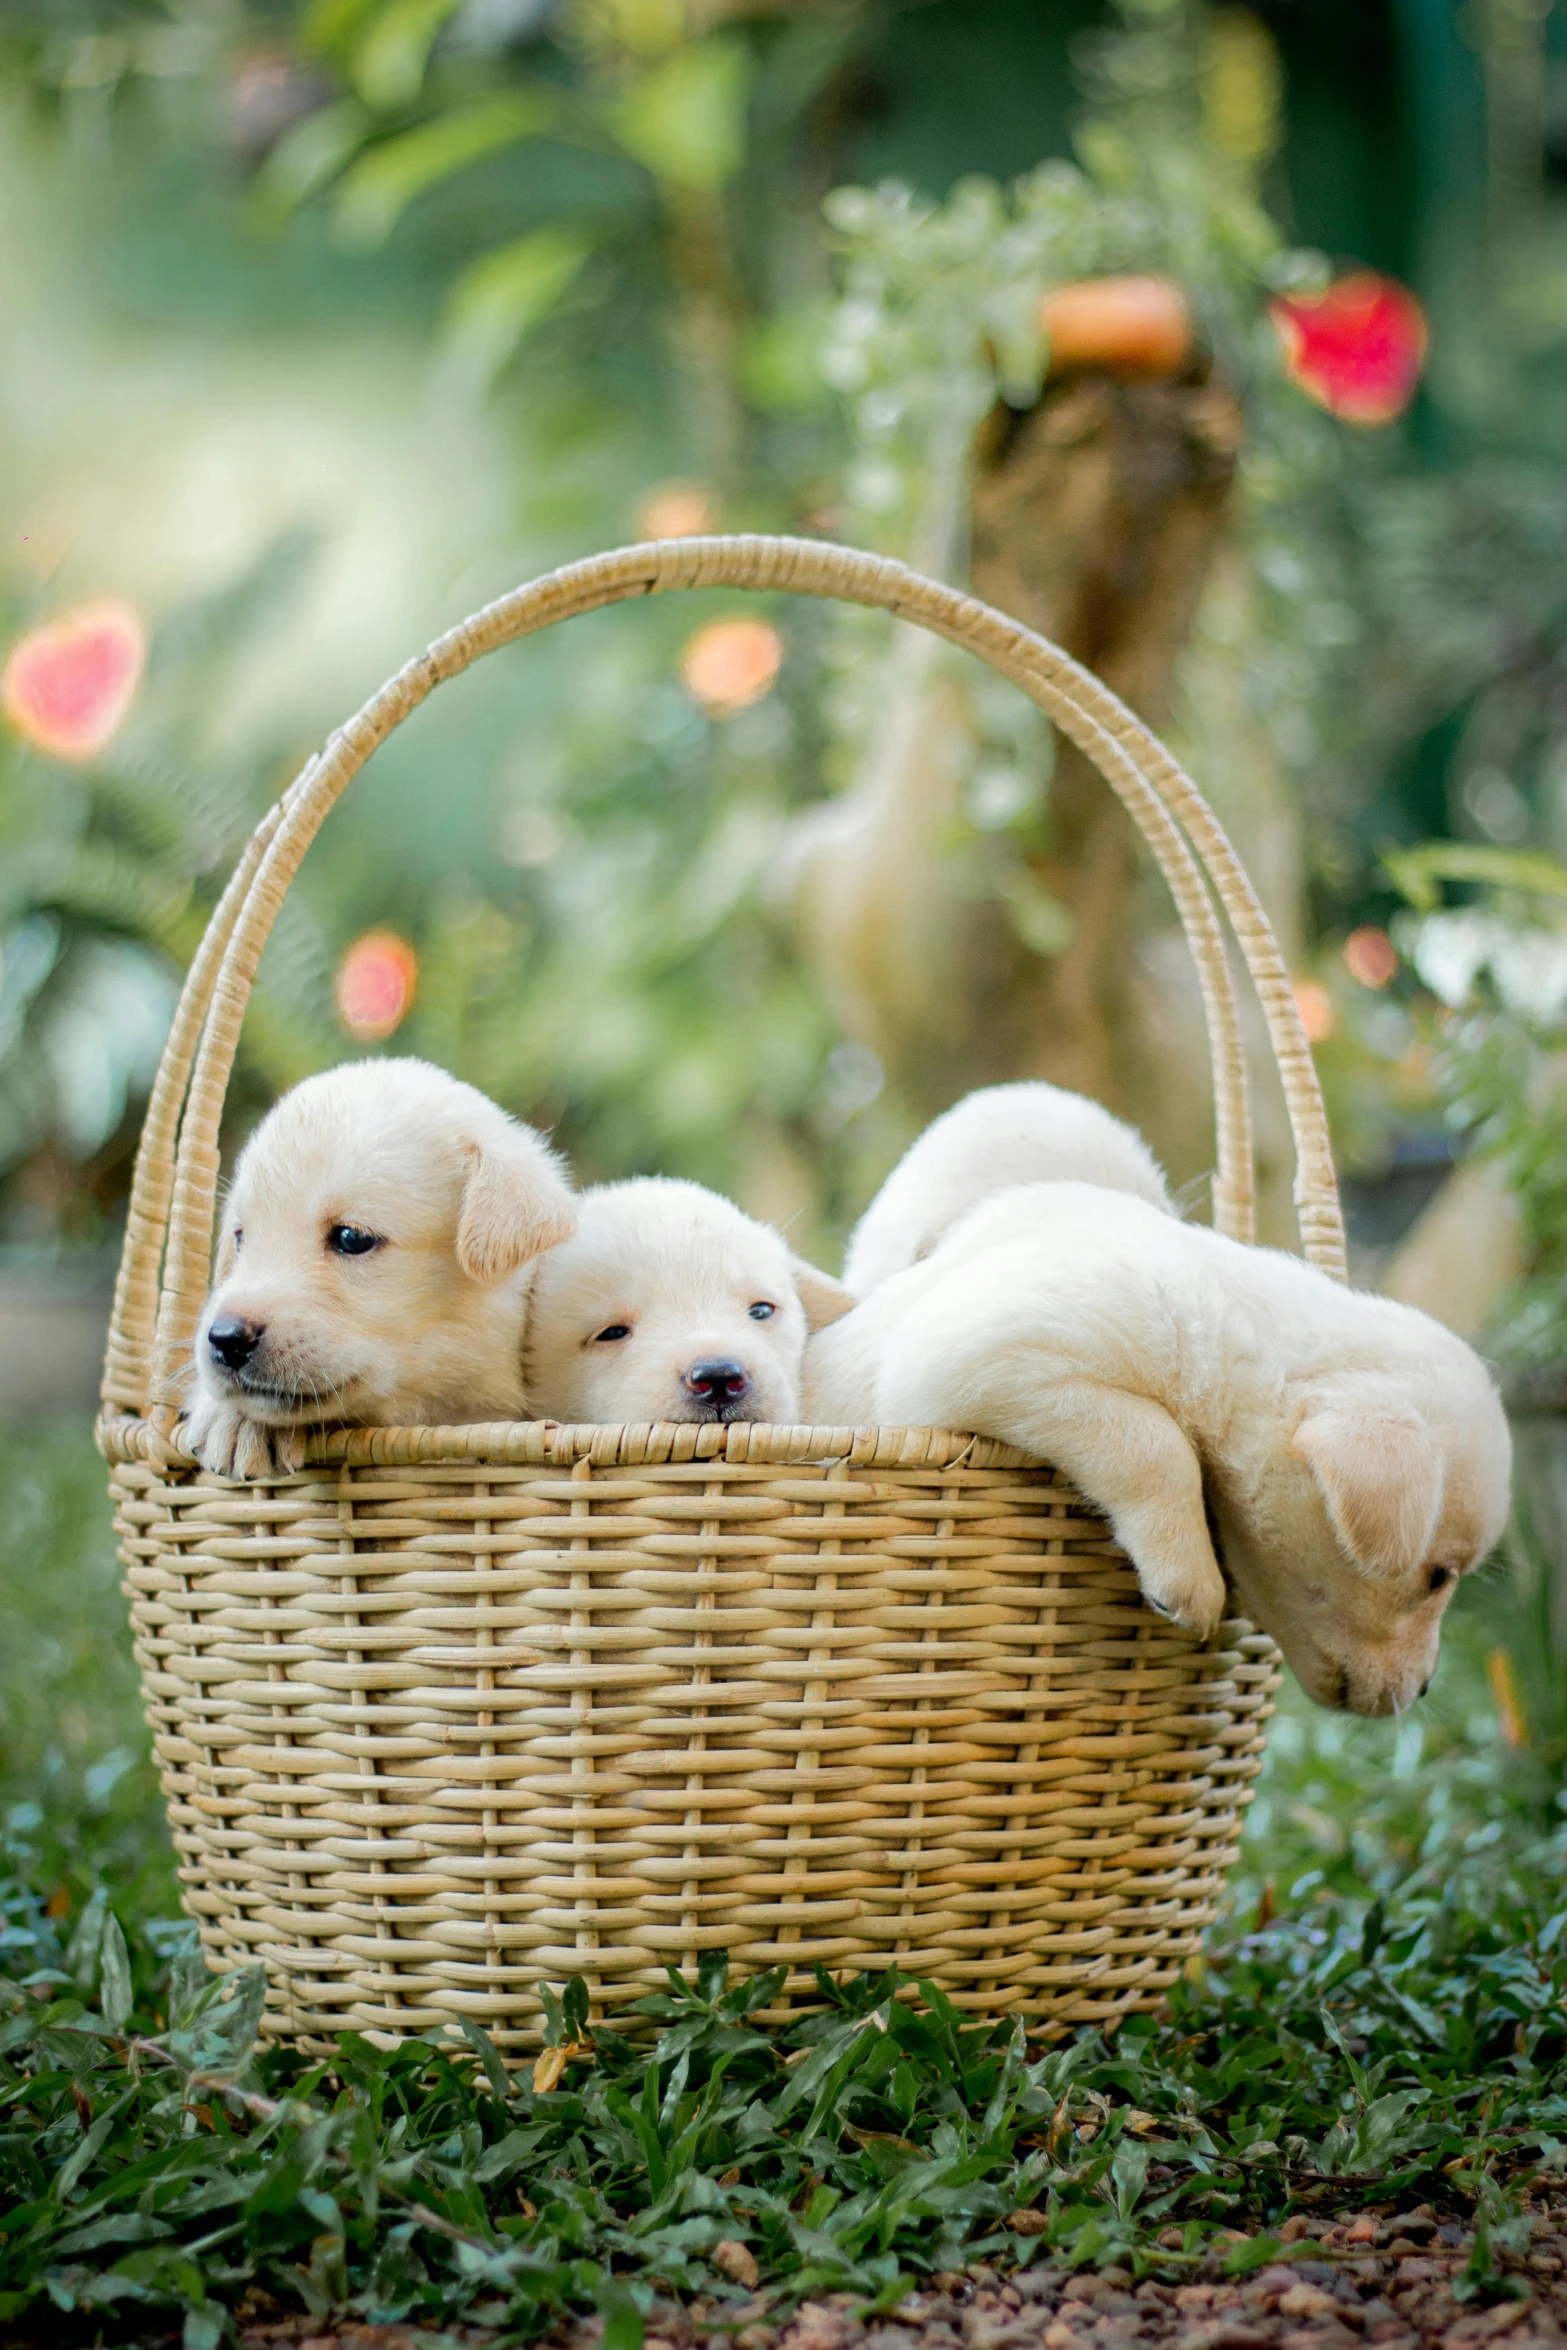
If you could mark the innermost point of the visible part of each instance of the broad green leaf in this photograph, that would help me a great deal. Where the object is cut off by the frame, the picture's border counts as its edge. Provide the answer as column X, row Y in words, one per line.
column 204, row 2329
column 393, row 50
column 326, row 25
column 623, row 2323
column 115, row 1996
column 1416, row 872
column 685, row 119
column 489, row 2056
column 307, row 158
column 503, row 296
column 378, row 189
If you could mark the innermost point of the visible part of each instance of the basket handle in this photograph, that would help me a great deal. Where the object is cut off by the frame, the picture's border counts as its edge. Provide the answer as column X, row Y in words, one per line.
column 174, row 1189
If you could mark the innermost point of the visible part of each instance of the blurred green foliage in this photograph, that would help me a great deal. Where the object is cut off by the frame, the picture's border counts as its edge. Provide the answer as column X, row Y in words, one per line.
column 609, row 213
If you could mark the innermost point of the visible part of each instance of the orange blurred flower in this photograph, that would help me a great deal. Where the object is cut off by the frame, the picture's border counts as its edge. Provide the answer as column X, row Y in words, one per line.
column 376, row 983
column 1356, row 349
column 1370, row 956
column 68, row 685
column 676, row 510
column 1315, row 1006
column 730, row 664
column 1132, row 325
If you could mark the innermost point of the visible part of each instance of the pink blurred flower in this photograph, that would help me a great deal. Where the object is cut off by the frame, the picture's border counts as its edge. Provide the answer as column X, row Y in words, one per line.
column 67, row 686
column 1356, row 349
column 730, row 664
column 376, row 982
column 1371, row 956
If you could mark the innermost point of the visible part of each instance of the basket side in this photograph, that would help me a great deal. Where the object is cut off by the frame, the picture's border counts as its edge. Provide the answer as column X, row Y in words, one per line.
column 436, row 1734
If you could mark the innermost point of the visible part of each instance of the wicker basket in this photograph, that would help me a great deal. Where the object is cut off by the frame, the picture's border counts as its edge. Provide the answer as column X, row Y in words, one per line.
column 456, row 1712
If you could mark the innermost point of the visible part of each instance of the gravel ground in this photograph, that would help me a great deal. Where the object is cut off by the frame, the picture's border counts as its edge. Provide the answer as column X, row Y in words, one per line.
column 1382, row 2278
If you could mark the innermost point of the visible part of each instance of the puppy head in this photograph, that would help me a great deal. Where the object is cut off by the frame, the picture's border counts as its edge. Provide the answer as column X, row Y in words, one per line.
column 1394, row 1484
column 669, row 1304
column 369, row 1267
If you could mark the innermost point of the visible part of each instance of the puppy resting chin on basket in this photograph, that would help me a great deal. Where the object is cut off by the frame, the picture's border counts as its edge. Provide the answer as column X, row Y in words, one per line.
column 669, row 1303
column 1352, row 1452
column 373, row 1265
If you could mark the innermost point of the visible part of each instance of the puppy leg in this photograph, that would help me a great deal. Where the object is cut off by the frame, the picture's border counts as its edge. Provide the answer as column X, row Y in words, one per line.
column 1131, row 1460
column 1124, row 1452
column 230, row 1445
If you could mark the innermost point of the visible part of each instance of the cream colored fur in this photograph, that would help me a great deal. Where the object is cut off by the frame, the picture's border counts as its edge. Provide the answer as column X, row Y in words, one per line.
column 679, row 1271
column 1006, row 1134
column 1353, row 1453
column 425, row 1327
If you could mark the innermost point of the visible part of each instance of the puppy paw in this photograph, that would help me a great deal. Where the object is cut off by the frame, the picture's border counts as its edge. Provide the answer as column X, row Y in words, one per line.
column 230, row 1445
column 1190, row 1592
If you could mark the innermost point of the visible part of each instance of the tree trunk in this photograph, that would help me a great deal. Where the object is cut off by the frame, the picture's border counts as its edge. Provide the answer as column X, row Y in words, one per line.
column 1095, row 519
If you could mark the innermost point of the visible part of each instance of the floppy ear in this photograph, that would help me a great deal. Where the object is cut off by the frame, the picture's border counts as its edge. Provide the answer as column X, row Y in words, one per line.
column 824, row 1299
column 514, row 1204
column 1380, row 1471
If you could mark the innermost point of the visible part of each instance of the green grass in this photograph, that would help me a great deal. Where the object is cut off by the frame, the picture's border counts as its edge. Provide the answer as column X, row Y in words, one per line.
column 1381, row 2015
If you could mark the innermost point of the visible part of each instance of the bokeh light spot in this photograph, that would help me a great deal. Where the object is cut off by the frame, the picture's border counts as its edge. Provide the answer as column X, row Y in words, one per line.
column 1315, row 1006
column 376, row 984
column 676, row 510
column 1130, row 325
column 67, row 686
column 1370, row 956
column 730, row 664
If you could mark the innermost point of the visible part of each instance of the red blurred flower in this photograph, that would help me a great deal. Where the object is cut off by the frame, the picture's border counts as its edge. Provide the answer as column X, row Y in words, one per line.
column 376, row 981
column 1358, row 348
column 68, row 685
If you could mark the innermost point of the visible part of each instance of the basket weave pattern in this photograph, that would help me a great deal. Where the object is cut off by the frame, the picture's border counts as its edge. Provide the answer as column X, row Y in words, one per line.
column 456, row 1712
column 434, row 1735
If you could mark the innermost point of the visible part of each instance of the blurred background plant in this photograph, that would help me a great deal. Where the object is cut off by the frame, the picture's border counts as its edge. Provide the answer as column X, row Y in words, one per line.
column 1223, row 341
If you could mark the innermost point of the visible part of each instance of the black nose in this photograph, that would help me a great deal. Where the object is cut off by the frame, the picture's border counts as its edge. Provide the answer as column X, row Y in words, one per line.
column 721, row 1380
column 234, row 1341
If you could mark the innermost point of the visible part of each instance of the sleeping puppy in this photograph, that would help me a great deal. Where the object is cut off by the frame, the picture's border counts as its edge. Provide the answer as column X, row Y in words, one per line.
column 1353, row 1453
column 1001, row 1135
column 372, row 1267
column 668, row 1303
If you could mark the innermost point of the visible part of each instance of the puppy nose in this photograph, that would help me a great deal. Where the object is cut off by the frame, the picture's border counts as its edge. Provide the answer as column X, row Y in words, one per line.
column 234, row 1341
column 721, row 1379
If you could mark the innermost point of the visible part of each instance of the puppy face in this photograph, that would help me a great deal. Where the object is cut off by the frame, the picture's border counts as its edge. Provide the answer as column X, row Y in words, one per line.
column 1351, row 1547
column 370, row 1265
column 670, row 1304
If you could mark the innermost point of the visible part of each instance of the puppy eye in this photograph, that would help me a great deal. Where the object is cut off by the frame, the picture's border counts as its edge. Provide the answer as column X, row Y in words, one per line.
column 762, row 1311
column 1439, row 1578
column 351, row 1240
column 615, row 1330
column 238, row 1237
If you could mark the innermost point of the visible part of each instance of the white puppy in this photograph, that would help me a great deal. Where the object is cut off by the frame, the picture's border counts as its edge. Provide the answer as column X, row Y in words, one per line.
column 1353, row 1453
column 668, row 1303
column 372, row 1265
column 1002, row 1135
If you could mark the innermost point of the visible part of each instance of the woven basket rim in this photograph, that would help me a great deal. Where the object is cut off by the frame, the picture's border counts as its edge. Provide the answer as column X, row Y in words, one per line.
column 127, row 1436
